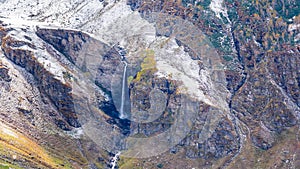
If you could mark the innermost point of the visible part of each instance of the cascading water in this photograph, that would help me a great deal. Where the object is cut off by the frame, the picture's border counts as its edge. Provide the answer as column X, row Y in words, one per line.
column 122, row 114
column 114, row 161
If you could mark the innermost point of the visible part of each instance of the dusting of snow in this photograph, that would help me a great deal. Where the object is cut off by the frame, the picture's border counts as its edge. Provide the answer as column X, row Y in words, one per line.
column 119, row 23
column 218, row 7
column 255, row 42
column 75, row 133
column 182, row 68
column 51, row 64
column 58, row 13
column 18, row 22
column 114, row 19
column 116, row 23
column 293, row 27
column 297, row 37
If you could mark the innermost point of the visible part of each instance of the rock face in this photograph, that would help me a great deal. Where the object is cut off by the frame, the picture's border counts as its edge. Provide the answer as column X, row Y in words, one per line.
column 57, row 92
column 257, row 92
column 107, row 57
column 243, row 96
column 43, row 67
column 4, row 74
column 62, row 39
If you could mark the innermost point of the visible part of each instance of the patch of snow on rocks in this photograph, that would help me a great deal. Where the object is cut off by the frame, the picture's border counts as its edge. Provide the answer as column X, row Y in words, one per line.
column 75, row 133
column 119, row 23
column 218, row 7
column 50, row 63
column 173, row 62
column 293, row 27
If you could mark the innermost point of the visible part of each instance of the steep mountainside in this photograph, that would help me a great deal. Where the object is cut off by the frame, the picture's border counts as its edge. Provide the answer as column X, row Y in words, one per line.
column 149, row 84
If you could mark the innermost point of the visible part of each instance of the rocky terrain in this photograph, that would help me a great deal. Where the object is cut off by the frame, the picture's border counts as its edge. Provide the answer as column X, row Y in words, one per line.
column 208, row 84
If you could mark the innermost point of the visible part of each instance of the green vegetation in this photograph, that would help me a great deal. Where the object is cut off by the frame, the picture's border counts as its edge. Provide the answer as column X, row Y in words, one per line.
column 6, row 165
column 148, row 65
column 232, row 13
column 249, row 7
column 129, row 79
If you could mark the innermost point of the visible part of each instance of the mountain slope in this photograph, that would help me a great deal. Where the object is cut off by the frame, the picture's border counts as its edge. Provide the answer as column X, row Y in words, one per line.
column 210, row 84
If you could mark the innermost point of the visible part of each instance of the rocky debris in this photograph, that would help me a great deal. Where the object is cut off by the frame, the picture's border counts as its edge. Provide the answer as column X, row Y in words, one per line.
column 78, row 47
column 223, row 141
column 259, row 103
column 50, row 105
column 262, row 137
column 17, row 43
column 284, row 69
column 187, row 49
column 28, row 114
column 4, row 73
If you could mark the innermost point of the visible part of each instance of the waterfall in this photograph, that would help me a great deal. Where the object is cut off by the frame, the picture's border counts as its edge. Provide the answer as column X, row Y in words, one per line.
column 122, row 115
column 114, row 161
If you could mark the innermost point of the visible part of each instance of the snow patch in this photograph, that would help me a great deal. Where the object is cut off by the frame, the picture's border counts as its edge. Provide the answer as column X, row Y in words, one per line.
column 75, row 133
column 182, row 68
column 118, row 24
column 218, row 8
column 51, row 64
column 18, row 22
column 293, row 27
column 64, row 13
column 297, row 37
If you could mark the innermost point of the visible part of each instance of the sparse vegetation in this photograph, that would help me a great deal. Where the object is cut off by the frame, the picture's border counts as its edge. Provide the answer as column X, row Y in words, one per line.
column 148, row 66
column 129, row 79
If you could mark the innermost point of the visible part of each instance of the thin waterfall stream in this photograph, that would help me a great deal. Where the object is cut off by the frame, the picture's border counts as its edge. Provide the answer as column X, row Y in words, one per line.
column 122, row 114
column 114, row 161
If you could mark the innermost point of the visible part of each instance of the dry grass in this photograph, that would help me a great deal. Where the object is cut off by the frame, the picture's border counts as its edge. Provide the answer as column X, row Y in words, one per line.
column 16, row 146
column 148, row 64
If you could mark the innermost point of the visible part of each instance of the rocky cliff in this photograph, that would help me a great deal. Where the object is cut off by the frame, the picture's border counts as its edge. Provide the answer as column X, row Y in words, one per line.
column 208, row 84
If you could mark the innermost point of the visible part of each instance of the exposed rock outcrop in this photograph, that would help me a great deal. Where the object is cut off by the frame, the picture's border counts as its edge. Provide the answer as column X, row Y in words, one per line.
column 4, row 73
column 68, row 42
column 57, row 92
